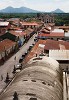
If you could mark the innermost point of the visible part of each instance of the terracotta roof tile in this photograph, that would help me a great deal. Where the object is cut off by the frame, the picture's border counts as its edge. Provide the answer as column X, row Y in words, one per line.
column 56, row 45
column 29, row 23
column 53, row 34
column 49, row 44
column 35, row 50
column 6, row 44
column 16, row 33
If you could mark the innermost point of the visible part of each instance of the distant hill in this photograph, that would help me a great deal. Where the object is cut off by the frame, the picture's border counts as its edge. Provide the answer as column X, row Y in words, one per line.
column 25, row 10
column 18, row 10
column 58, row 11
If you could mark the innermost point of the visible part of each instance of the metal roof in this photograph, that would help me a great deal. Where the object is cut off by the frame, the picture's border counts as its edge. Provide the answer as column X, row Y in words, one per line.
column 59, row 54
column 4, row 23
column 67, row 34
column 58, row 30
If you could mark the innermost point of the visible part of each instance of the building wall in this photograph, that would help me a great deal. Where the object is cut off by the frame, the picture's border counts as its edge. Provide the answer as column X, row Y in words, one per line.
column 5, row 53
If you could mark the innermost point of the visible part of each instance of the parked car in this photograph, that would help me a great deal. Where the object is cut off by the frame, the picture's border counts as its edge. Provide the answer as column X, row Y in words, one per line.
column 21, row 59
column 18, row 66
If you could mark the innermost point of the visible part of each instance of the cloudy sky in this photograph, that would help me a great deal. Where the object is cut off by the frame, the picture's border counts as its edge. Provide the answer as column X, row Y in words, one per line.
column 40, row 5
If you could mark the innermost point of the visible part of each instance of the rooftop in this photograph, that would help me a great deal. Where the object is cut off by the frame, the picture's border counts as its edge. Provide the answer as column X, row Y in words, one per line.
column 6, row 44
column 56, row 45
column 37, row 49
column 59, row 54
column 48, row 44
column 58, row 30
column 4, row 23
column 29, row 23
column 18, row 33
column 52, row 34
column 37, row 80
column 66, row 34
column 28, row 30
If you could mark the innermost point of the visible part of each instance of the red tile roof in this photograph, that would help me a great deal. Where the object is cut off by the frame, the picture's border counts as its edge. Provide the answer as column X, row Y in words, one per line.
column 57, row 34
column 49, row 44
column 18, row 33
column 53, row 34
column 29, row 23
column 28, row 31
column 6, row 44
column 35, row 50
column 56, row 45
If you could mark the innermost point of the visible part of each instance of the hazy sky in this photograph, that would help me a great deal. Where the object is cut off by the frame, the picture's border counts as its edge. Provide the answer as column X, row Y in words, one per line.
column 40, row 5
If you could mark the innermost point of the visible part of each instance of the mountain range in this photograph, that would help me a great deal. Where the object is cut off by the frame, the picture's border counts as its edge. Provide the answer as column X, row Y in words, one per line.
column 18, row 10
column 25, row 10
column 58, row 11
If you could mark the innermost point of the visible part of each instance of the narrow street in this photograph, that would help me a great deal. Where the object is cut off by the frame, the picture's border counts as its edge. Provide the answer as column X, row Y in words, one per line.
column 9, row 64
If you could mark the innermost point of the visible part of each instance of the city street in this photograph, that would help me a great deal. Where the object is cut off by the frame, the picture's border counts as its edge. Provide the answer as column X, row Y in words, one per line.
column 9, row 64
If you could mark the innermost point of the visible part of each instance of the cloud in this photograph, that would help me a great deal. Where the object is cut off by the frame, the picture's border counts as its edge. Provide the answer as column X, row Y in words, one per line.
column 13, row 3
column 42, row 5
column 56, row 0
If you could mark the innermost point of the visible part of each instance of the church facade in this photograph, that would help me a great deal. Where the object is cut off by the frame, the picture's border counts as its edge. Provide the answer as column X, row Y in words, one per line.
column 46, row 18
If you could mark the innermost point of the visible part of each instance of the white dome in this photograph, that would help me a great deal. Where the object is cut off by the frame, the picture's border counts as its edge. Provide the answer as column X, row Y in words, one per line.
column 41, row 79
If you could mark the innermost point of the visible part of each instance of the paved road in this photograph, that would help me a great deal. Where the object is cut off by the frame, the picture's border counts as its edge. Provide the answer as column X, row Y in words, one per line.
column 9, row 64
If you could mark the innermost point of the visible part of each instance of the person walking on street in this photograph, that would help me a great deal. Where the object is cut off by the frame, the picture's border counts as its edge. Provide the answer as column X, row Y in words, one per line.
column 15, row 58
column 1, row 77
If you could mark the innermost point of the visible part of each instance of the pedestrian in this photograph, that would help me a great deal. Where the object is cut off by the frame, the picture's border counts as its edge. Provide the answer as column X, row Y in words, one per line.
column 15, row 58
column 14, row 70
column 36, row 54
column 1, row 77
column 15, row 96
